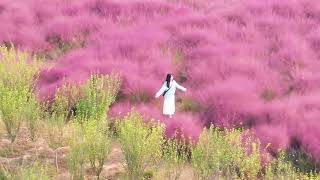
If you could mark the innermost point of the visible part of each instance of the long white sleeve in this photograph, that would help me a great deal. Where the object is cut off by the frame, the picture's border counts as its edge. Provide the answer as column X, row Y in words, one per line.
column 180, row 87
column 162, row 89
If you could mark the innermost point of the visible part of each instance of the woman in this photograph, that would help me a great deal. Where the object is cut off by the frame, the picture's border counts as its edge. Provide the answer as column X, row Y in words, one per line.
column 168, row 90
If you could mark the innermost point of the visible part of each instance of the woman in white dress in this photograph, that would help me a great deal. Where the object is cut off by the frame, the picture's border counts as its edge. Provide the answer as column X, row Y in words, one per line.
column 168, row 90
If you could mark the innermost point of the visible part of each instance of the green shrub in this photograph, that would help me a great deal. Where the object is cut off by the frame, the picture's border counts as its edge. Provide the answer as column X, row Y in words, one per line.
column 57, row 131
column 32, row 114
column 77, row 155
column 11, row 106
column 17, row 101
column 141, row 144
column 97, row 95
column 97, row 143
column 89, row 143
column 280, row 168
column 211, row 150
column 222, row 153
column 249, row 163
column 301, row 160
column 92, row 133
column 175, row 157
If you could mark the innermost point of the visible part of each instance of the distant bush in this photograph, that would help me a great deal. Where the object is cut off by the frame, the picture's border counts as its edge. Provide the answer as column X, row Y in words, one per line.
column 190, row 105
column 141, row 144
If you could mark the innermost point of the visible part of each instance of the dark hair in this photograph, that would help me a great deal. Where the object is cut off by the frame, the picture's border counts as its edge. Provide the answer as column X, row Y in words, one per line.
column 168, row 78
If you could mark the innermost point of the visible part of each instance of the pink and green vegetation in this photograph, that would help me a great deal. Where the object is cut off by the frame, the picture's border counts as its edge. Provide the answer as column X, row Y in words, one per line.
column 150, row 149
column 248, row 64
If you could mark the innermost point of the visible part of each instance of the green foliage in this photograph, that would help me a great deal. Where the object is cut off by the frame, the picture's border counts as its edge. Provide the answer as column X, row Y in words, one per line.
column 32, row 113
column 141, row 144
column 301, row 160
column 17, row 101
column 208, row 154
column 66, row 97
column 35, row 172
column 59, row 113
column 283, row 169
column 97, row 143
column 89, row 143
column 90, row 140
column 4, row 173
column 98, row 94
column 12, row 103
column 147, row 175
column 223, row 153
column 249, row 163
column 77, row 154
column 175, row 157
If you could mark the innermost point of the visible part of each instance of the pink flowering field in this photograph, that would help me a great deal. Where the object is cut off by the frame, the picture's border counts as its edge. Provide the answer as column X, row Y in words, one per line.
column 248, row 64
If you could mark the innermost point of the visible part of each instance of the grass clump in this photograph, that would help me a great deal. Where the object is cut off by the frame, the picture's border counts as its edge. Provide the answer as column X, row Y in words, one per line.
column 34, row 172
column 141, row 144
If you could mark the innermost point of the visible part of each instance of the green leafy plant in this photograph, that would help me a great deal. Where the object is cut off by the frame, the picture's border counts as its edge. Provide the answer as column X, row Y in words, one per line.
column 57, row 131
column 141, row 144
column 175, row 157
column 32, row 114
column 97, row 144
column 280, row 168
column 97, row 95
column 77, row 154
column 18, row 72
column 222, row 153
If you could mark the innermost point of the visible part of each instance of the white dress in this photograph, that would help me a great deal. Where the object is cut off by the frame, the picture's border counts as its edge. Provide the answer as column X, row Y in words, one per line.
column 169, row 97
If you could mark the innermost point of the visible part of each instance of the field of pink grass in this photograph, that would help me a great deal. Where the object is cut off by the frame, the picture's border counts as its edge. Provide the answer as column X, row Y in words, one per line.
column 246, row 63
